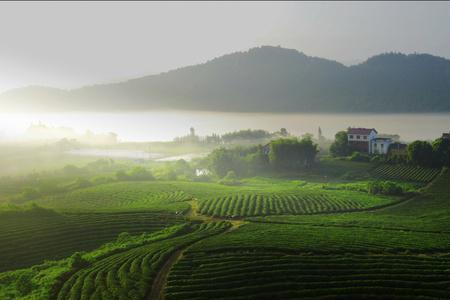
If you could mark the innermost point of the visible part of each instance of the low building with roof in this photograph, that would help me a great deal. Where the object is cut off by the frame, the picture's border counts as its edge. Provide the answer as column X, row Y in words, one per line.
column 380, row 145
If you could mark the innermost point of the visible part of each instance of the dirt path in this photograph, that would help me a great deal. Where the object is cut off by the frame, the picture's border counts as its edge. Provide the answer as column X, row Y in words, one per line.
column 160, row 281
column 157, row 291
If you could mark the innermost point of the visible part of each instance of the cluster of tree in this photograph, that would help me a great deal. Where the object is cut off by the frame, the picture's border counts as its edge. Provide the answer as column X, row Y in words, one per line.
column 340, row 146
column 179, row 170
column 435, row 154
column 230, row 179
column 241, row 160
column 135, row 174
column 421, row 153
column 282, row 154
column 243, row 135
column 292, row 154
column 235, row 137
column 190, row 138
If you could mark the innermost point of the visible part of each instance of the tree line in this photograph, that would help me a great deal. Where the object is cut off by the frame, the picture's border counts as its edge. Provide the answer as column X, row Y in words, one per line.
column 284, row 154
column 420, row 153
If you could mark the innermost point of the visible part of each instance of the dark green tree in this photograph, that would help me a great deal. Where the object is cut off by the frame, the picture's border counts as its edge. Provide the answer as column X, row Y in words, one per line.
column 223, row 160
column 288, row 154
column 340, row 146
column 77, row 261
column 441, row 152
column 420, row 153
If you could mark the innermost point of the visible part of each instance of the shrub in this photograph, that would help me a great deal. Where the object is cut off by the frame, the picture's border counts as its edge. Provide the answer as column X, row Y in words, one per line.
column 30, row 193
column 77, row 261
column 140, row 173
column 123, row 237
column 121, row 175
column 82, row 182
column 358, row 156
column 102, row 180
column 230, row 179
column 391, row 188
column 384, row 187
column 24, row 284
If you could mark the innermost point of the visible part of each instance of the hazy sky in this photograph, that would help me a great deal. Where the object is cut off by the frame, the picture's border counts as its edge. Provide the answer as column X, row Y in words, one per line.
column 76, row 43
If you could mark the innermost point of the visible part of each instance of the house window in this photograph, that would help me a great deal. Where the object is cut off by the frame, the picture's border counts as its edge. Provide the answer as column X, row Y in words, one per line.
column 357, row 137
column 365, row 137
column 382, row 146
column 351, row 136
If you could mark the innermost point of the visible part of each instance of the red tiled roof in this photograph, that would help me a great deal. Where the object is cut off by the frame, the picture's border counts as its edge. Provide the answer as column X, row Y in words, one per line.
column 363, row 131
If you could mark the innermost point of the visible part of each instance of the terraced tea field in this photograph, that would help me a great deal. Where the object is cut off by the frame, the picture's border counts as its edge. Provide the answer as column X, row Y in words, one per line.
column 122, row 196
column 304, row 202
column 276, row 275
column 35, row 238
column 130, row 274
column 405, row 172
column 286, row 239
column 327, row 239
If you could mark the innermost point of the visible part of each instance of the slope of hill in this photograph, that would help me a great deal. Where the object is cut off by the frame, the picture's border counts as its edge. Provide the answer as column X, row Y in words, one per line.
column 265, row 79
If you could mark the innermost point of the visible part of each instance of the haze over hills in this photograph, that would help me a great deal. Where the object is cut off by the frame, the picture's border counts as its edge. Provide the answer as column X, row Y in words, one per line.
column 264, row 79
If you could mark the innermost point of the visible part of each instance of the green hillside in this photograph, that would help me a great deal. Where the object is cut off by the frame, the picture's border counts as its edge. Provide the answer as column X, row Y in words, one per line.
column 276, row 80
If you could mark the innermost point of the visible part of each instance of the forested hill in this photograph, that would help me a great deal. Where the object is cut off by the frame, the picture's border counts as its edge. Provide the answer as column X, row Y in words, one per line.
column 265, row 79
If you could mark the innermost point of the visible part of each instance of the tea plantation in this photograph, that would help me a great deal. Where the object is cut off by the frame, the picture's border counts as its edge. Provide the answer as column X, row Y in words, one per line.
column 261, row 238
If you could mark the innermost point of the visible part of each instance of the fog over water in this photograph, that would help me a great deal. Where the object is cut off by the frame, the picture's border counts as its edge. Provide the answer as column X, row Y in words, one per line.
column 164, row 126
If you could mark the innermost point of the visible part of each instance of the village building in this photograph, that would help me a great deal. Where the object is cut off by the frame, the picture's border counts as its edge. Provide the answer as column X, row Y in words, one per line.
column 380, row 145
column 360, row 139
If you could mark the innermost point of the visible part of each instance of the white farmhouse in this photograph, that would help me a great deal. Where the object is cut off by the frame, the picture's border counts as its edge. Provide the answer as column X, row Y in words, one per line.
column 360, row 139
column 380, row 145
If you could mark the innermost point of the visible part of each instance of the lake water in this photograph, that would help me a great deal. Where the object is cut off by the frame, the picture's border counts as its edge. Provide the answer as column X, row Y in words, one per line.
column 134, row 154
column 116, row 153
column 164, row 126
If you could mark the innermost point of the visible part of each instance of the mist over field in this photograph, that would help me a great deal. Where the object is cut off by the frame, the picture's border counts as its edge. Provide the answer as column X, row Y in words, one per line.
column 224, row 150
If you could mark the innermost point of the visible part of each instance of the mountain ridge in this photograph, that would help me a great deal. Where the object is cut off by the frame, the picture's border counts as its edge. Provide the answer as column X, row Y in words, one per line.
column 264, row 79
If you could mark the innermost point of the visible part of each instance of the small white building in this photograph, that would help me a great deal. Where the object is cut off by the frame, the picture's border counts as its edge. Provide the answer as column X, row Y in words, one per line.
column 380, row 145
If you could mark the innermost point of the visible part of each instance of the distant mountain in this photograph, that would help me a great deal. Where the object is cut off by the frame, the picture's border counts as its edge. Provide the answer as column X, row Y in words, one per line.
column 264, row 79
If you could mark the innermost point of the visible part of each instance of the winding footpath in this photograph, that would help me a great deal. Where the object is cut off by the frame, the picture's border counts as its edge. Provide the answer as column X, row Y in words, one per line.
column 160, row 281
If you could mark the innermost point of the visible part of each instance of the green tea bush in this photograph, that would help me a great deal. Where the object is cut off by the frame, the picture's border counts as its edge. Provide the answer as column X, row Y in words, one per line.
column 264, row 274
column 405, row 172
column 385, row 188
